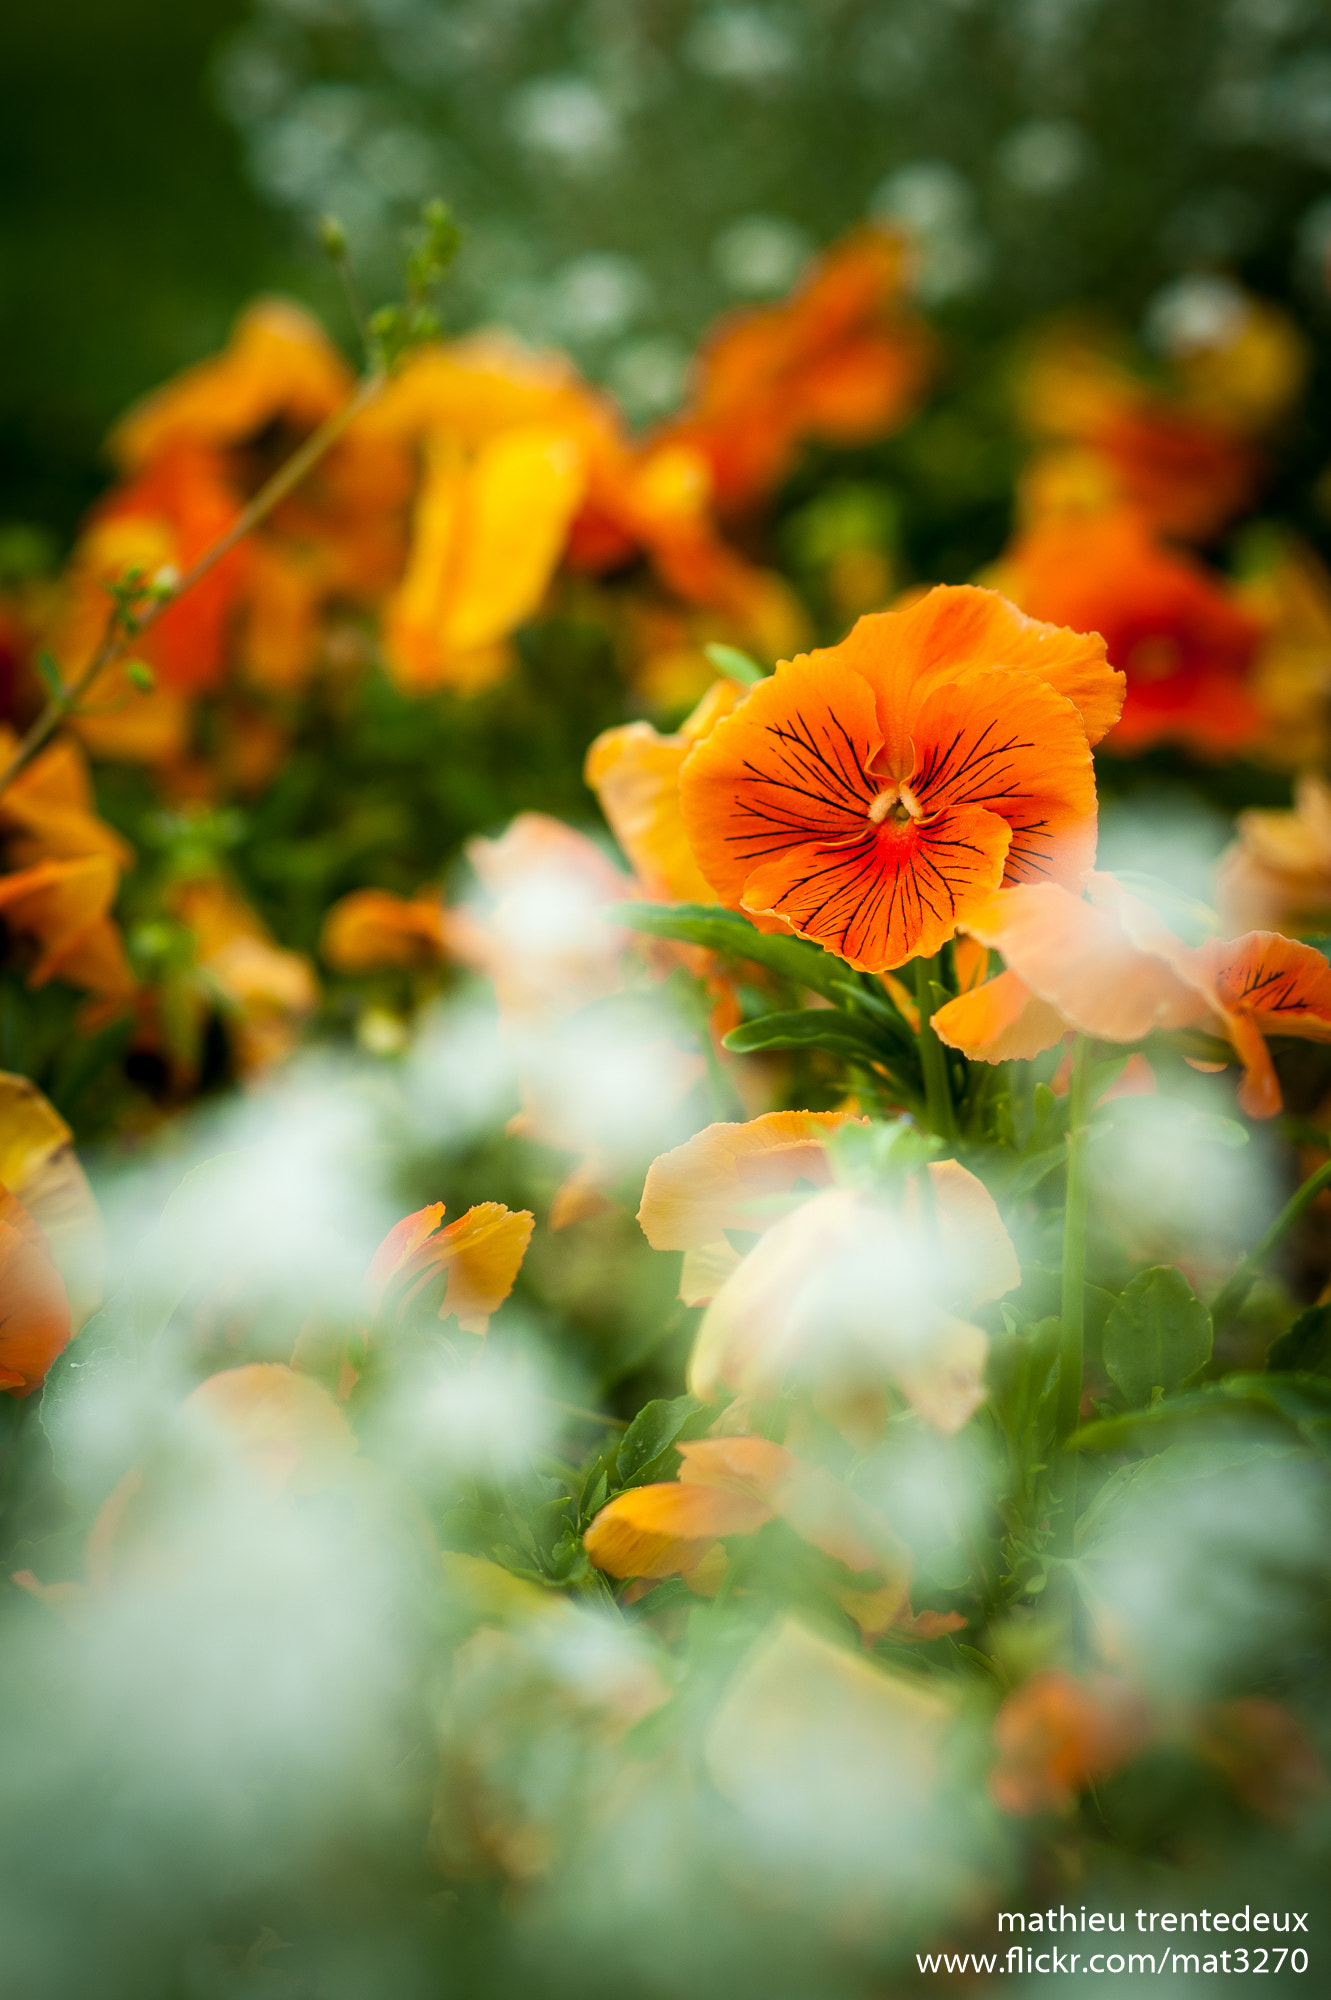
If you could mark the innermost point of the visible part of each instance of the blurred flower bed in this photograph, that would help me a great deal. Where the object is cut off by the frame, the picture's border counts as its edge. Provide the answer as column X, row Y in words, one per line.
column 665, row 1284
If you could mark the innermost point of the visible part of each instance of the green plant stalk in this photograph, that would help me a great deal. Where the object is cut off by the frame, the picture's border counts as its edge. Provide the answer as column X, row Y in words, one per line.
column 933, row 1062
column 1073, row 1304
column 1231, row 1296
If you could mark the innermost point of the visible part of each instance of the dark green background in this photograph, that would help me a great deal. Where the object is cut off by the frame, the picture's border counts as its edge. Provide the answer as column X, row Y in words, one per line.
column 128, row 234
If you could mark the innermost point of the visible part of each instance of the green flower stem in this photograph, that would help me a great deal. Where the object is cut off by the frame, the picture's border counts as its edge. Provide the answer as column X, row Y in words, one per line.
column 1074, row 1288
column 937, row 1090
column 1231, row 1296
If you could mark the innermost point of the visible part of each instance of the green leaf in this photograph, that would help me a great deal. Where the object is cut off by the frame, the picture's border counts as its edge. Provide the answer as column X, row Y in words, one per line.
column 736, row 666
column 1157, row 1334
column 1303, row 1402
column 807, row 1028
column 1306, row 1348
column 651, row 1433
column 726, row 931
column 140, row 675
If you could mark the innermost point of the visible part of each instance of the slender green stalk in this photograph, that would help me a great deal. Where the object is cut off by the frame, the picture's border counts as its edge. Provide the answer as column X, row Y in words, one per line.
column 937, row 1090
column 1074, row 1288
column 1231, row 1296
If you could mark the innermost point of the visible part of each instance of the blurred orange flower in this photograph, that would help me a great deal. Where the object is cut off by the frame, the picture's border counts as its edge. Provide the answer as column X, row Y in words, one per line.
column 34, row 1311
column 279, row 367
column 39, row 1167
column 732, row 1486
column 867, row 795
column 1184, row 463
column 841, row 361
column 372, row 929
column 1181, row 637
column 507, row 441
column 478, row 1256
column 487, row 536
column 1056, row 1734
column 48, row 812
column 264, row 993
column 1277, row 873
column 1267, row 1756
column 730, row 1177
column 64, row 907
column 539, row 935
column 848, row 1294
column 1111, row 968
column 164, row 518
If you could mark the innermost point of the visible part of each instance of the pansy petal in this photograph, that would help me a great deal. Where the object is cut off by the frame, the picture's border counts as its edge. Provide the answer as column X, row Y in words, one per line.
column 791, row 764
column 952, row 627
column 35, row 1319
column 1000, row 1021
column 402, row 1239
column 716, row 1180
column 1081, row 960
column 893, row 893
column 666, row 1529
column 981, row 1259
column 1010, row 744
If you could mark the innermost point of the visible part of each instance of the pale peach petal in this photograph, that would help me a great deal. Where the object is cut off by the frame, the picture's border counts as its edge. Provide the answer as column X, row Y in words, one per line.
column 721, row 1178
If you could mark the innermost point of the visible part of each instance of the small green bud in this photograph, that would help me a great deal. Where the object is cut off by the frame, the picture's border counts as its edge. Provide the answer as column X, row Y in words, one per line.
column 332, row 238
column 140, row 675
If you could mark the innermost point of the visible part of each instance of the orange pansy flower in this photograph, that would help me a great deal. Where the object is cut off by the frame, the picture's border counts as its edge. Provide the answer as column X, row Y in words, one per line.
column 488, row 532
column 842, row 361
column 1112, row 969
column 166, row 516
column 1183, row 470
column 372, row 929
column 478, row 1256
column 1056, row 1735
column 508, row 440
column 726, row 1177
column 869, row 794
column 732, row 1486
column 1178, row 633
column 278, row 365
column 34, row 1311
column 848, row 1294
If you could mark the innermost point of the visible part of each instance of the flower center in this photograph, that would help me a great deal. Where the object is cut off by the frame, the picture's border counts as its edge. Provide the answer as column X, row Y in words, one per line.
column 897, row 803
